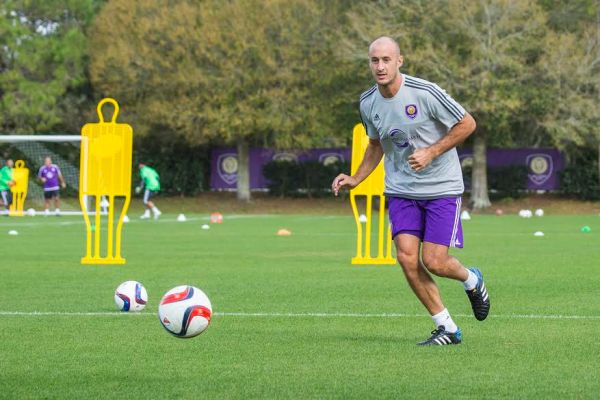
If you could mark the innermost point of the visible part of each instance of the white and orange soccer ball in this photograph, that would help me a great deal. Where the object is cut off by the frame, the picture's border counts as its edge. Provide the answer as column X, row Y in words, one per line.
column 216, row 218
column 185, row 311
column 131, row 296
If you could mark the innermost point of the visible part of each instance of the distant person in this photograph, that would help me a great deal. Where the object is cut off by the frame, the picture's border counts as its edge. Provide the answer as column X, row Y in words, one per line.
column 150, row 184
column 417, row 126
column 53, row 180
column 6, row 181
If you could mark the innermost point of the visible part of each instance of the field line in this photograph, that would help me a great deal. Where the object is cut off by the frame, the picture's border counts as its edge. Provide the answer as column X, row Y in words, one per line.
column 294, row 315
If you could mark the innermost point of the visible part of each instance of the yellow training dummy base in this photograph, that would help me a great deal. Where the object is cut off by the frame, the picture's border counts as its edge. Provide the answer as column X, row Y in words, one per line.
column 370, row 187
column 19, row 189
column 106, row 149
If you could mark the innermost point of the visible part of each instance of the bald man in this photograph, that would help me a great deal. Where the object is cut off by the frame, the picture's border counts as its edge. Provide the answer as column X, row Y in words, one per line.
column 417, row 125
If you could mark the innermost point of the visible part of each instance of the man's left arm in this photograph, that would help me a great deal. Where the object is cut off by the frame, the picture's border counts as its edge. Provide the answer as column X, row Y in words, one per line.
column 61, row 179
column 422, row 157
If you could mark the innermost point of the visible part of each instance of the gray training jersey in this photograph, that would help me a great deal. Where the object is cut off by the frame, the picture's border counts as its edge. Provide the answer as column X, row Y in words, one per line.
column 419, row 115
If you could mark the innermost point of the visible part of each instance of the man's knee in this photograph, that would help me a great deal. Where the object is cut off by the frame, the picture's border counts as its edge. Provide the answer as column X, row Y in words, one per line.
column 409, row 263
column 436, row 263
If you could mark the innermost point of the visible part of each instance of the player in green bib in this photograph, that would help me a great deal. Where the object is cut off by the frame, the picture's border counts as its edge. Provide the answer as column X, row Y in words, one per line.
column 150, row 183
column 6, row 181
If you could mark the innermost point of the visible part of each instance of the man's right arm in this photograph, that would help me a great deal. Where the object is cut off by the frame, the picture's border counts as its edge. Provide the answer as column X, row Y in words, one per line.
column 371, row 159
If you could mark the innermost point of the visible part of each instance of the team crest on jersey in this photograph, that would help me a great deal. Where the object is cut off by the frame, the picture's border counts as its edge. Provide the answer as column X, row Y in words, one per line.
column 397, row 136
column 411, row 111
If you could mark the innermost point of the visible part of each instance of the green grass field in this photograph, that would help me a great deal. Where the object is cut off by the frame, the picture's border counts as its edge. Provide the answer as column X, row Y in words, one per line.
column 293, row 318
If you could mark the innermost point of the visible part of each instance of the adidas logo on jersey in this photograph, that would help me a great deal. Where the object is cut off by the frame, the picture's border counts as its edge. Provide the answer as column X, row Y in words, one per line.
column 376, row 118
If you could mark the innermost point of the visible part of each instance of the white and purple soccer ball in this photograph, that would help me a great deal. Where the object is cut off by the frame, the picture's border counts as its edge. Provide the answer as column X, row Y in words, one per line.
column 131, row 296
column 185, row 311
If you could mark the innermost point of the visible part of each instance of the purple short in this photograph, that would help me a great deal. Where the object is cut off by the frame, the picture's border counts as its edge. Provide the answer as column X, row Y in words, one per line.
column 436, row 220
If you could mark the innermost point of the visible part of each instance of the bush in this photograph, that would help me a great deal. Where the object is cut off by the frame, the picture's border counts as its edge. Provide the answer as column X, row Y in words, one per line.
column 183, row 168
column 310, row 178
column 581, row 181
column 284, row 177
column 509, row 181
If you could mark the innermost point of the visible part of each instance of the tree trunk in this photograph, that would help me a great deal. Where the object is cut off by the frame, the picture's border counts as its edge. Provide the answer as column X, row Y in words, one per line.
column 479, row 185
column 243, row 173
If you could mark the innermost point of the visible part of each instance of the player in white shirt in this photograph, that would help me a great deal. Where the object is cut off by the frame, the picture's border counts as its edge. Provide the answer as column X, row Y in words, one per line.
column 417, row 125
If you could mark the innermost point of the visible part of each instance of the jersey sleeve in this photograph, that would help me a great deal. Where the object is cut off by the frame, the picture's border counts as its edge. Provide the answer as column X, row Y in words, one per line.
column 58, row 171
column 143, row 176
column 40, row 171
column 444, row 108
column 4, row 178
column 369, row 127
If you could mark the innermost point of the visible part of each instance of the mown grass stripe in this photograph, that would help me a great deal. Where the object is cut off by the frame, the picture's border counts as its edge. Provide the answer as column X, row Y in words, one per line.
column 290, row 315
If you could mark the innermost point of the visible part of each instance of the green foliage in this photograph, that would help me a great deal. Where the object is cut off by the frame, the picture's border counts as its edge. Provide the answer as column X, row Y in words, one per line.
column 283, row 177
column 310, row 178
column 478, row 51
column 570, row 71
column 580, row 178
column 288, row 73
column 183, row 168
column 567, row 16
column 222, row 72
column 506, row 61
column 509, row 181
column 43, row 53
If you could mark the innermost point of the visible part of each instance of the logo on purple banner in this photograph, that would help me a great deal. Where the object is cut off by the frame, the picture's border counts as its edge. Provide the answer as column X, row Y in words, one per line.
column 540, row 167
column 330, row 158
column 411, row 111
column 285, row 156
column 227, row 167
column 466, row 160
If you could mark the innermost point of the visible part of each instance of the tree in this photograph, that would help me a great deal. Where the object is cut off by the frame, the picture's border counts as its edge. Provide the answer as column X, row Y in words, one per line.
column 571, row 68
column 43, row 57
column 234, row 72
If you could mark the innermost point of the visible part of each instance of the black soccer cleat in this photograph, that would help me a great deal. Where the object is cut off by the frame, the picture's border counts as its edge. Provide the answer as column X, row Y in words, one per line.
column 479, row 297
column 441, row 337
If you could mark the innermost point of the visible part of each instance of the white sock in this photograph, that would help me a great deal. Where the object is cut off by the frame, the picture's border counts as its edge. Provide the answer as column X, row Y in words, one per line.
column 57, row 211
column 155, row 210
column 147, row 212
column 444, row 318
column 471, row 281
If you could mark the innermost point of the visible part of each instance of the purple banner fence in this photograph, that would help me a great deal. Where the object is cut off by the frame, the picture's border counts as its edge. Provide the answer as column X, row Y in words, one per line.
column 224, row 163
column 542, row 164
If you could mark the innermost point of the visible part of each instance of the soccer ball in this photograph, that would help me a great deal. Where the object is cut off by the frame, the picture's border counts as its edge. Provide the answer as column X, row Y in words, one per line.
column 185, row 311
column 216, row 218
column 131, row 296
